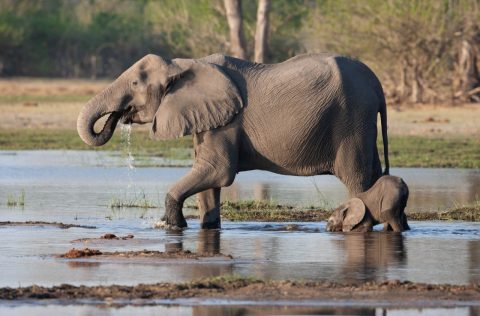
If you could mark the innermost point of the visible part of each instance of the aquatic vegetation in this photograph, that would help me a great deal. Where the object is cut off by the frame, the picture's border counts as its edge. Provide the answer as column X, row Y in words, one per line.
column 267, row 210
column 16, row 200
column 116, row 202
column 138, row 201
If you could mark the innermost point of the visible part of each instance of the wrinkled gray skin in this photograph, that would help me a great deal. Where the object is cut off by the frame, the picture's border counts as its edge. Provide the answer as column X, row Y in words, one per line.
column 384, row 202
column 310, row 115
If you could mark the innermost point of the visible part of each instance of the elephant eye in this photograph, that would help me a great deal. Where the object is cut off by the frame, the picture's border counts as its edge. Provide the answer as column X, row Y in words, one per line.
column 135, row 82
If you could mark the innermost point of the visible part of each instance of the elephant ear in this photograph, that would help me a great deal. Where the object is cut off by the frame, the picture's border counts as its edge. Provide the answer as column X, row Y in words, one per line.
column 200, row 98
column 354, row 214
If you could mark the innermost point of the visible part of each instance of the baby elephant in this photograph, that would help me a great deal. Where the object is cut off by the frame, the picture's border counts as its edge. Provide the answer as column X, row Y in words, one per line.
column 384, row 203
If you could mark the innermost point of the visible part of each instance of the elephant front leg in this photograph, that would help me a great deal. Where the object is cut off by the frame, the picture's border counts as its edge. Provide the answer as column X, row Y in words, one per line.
column 209, row 208
column 202, row 177
column 173, row 217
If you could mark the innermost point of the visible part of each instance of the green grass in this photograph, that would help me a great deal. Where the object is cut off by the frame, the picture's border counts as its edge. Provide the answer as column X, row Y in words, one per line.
column 470, row 212
column 417, row 151
column 269, row 211
column 141, row 144
column 16, row 200
column 405, row 151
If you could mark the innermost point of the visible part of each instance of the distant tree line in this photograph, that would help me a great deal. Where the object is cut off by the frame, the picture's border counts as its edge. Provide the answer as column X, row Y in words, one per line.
column 424, row 51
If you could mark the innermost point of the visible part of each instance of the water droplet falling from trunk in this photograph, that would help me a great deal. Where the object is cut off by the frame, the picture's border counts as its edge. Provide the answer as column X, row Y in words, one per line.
column 126, row 131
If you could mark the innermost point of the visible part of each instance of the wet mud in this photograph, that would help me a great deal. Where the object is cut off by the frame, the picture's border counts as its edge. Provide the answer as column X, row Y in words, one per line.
column 152, row 254
column 49, row 224
column 108, row 236
column 395, row 292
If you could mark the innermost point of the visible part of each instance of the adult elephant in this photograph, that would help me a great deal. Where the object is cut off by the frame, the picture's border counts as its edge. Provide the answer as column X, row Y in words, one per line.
column 312, row 114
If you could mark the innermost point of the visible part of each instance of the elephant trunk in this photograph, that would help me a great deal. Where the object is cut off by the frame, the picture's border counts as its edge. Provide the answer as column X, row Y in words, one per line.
column 95, row 109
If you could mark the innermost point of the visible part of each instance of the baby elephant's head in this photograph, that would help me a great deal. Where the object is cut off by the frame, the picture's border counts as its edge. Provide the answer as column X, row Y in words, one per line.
column 347, row 216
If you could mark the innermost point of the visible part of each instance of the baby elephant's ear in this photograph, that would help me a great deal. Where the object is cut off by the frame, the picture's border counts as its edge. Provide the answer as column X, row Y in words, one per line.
column 354, row 214
column 201, row 98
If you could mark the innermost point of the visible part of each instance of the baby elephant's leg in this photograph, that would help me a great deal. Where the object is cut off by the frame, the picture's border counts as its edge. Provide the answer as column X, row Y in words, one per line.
column 398, row 224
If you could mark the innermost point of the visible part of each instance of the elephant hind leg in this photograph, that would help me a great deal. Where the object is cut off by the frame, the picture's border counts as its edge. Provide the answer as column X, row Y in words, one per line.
column 355, row 176
column 376, row 167
column 357, row 167
column 209, row 208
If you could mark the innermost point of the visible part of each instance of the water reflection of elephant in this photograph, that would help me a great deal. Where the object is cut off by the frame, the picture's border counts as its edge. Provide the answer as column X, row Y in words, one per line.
column 208, row 241
column 282, row 310
column 367, row 254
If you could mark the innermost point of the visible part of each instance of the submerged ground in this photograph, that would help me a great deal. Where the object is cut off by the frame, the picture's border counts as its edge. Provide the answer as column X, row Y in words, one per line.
column 87, row 219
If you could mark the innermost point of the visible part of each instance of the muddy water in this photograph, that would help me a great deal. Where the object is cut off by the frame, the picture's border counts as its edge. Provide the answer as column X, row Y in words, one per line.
column 75, row 187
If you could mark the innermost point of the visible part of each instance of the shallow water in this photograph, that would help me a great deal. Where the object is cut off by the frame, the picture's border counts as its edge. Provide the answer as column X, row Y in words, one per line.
column 433, row 252
column 75, row 187
column 232, row 310
column 79, row 181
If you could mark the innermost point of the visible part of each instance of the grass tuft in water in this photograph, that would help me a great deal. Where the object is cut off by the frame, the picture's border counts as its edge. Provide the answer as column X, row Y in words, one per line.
column 16, row 200
column 265, row 210
column 470, row 212
column 230, row 279
column 140, row 201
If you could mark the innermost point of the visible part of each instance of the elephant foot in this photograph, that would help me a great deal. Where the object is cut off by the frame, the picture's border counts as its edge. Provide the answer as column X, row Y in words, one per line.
column 173, row 218
column 211, row 225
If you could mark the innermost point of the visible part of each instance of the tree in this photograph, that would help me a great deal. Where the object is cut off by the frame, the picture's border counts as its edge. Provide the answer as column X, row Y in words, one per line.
column 233, row 12
column 261, row 33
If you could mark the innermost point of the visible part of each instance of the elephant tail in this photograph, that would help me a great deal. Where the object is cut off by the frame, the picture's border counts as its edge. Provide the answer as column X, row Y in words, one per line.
column 383, row 121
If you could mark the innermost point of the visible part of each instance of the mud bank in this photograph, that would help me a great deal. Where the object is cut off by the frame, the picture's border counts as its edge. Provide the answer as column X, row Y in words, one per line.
column 41, row 223
column 396, row 293
column 153, row 254
column 108, row 236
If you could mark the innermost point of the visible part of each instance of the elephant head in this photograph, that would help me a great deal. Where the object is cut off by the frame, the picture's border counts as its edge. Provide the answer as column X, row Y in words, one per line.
column 347, row 216
column 179, row 97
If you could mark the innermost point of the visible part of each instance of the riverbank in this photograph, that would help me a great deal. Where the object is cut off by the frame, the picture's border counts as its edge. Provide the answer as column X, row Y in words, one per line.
column 41, row 114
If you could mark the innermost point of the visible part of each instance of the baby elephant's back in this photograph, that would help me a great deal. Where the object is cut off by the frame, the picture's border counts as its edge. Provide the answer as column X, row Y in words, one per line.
column 387, row 197
column 394, row 192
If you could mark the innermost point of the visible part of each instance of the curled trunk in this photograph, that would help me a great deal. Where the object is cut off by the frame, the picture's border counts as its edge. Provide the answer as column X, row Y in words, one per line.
column 95, row 109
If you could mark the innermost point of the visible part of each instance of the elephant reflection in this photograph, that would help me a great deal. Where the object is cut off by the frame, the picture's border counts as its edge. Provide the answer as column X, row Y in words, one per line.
column 366, row 254
column 280, row 310
column 208, row 241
